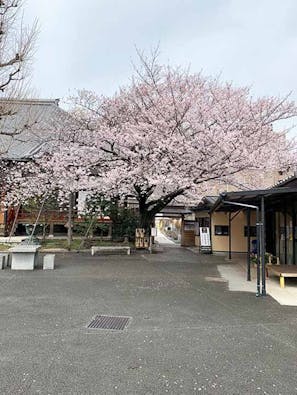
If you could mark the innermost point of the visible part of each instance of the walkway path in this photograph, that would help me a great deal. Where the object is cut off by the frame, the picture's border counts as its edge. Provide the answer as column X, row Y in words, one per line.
column 163, row 239
column 188, row 334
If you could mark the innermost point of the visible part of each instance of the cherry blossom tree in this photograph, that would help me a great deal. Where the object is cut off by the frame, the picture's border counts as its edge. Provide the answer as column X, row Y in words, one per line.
column 169, row 135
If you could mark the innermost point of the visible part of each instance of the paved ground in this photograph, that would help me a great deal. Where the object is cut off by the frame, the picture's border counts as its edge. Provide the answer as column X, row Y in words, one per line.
column 235, row 275
column 163, row 239
column 189, row 334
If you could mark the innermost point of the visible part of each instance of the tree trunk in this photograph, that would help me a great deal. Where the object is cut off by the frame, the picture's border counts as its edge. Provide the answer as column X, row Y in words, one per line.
column 146, row 217
column 146, row 222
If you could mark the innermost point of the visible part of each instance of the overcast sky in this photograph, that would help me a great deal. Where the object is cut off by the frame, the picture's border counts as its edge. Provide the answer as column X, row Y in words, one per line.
column 91, row 43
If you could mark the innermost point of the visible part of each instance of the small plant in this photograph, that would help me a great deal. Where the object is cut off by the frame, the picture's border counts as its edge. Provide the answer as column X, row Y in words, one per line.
column 269, row 258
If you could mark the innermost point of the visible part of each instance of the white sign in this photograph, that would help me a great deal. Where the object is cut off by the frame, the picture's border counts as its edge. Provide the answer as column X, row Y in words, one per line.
column 154, row 232
column 81, row 202
column 205, row 237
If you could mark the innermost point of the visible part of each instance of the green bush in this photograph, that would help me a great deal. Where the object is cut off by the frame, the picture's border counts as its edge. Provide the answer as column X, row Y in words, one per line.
column 124, row 224
column 267, row 255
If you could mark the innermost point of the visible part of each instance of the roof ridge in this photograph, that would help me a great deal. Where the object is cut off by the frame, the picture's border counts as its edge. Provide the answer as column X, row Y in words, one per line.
column 284, row 181
column 31, row 101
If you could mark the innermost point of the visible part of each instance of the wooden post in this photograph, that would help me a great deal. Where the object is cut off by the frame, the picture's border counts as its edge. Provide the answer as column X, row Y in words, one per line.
column 14, row 225
column 262, row 236
column 70, row 221
column 258, row 251
column 248, row 274
column 110, row 232
column 51, row 229
column 230, row 240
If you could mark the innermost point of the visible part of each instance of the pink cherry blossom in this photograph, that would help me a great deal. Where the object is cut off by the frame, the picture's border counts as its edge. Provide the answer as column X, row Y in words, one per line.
column 168, row 135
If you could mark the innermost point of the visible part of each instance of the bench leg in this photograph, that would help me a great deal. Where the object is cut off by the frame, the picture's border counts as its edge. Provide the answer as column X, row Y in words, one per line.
column 282, row 281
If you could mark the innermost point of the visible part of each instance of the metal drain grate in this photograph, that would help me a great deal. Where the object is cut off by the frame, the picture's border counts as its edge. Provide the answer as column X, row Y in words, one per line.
column 109, row 322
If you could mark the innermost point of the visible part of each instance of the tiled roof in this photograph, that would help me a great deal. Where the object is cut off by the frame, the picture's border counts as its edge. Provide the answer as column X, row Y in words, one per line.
column 31, row 125
column 211, row 199
column 206, row 203
column 286, row 181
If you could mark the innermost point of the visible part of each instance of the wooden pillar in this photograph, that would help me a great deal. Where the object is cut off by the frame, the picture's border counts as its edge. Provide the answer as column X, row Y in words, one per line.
column 70, row 220
column 230, row 239
column 258, row 251
column 182, row 232
column 294, row 230
column 263, row 246
column 285, row 234
column 110, row 231
column 248, row 262
column 51, row 229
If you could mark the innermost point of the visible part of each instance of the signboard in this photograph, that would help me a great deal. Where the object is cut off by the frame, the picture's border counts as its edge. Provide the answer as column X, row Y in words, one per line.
column 205, row 242
column 141, row 241
column 82, row 202
column 154, row 232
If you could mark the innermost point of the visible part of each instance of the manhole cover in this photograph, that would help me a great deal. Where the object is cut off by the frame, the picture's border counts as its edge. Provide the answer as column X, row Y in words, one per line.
column 109, row 322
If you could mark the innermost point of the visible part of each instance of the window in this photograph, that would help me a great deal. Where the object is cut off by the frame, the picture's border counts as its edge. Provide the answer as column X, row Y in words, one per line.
column 221, row 230
column 253, row 231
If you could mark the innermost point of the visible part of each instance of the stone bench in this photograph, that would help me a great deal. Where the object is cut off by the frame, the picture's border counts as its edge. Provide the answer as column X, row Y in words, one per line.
column 49, row 262
column 95, row 249
column 24, row 256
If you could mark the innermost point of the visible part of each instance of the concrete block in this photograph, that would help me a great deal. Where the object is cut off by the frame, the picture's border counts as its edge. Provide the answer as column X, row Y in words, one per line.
column 5, row 256
column 24, row 257
column 49, row 262
column 2, row 262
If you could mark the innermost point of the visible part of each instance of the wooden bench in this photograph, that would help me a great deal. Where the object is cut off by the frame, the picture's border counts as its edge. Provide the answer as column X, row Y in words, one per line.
column 95, row 249
column 283, row 271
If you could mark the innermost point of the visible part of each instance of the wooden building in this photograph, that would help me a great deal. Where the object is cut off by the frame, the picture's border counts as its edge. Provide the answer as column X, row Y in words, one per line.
column 232, row 220
column 29, row 129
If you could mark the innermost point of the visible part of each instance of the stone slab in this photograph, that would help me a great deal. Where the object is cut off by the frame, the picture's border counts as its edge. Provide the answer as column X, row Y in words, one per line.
column 49, row 262
column 95, row 249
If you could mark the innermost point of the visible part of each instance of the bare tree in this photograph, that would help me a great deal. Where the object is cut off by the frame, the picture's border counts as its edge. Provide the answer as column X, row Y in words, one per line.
column 16, row 52
column 16, row 49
